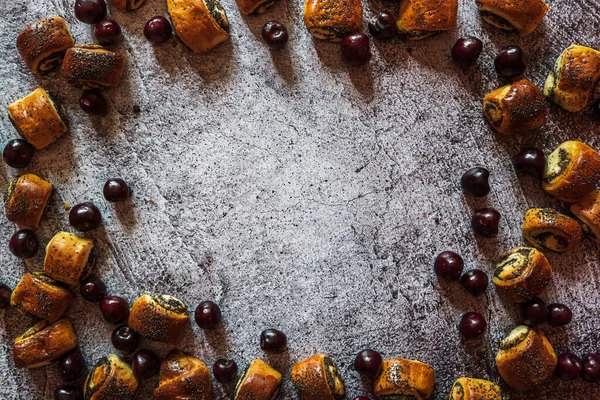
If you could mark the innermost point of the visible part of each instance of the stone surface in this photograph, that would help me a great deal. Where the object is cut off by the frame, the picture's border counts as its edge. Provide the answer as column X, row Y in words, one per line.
column 301, row 194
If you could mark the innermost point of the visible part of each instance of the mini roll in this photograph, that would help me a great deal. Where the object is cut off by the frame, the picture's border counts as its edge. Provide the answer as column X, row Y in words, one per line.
column 526, row 358
column 69, row 258
column 318, row 378
column 26, row 198
column 515, row 108
column 332, row 20
column 41, row 296
column 162, row 318
column 573, row 77
column 42, row 45
column 401, row 378
column 254, row 6
column 183, row 377
column 474, row 389
column 524, row 16
column 93, row 67
column 111, row 379
column 572, row 171
column 587, row 211
column 259, row 382
column 44, row 343
column 521, row 274
column 420, row 19
column 39, row 117
column 200, row 24
column 548, row 229
column 128, row 5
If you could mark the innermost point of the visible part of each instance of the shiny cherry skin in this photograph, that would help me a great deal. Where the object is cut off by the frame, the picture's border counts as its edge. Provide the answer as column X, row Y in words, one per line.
column 90, row 11
column 472, row 325
column 116, row 190
column 207, row 315
column 368, row 362
column 158, row 30
column 475, row 182
column 5, row 293
column 449, row 266
column 93, row 103
column 125, row 339
column 107, row 32
column 225, row 370
column 361, row 398
column 85, row 217
column 145, row 364
column 68, row 392
column 92, row 289
column 568, row 367
column 71, row 365
column 18, row 153
column 383, row 25
column 275, row 34
column 559, row 314
column 273, row 341
column 115, row 310
column 486, row 222
column 475, row 282
column 24, row 243
column 466, row 51
column 533, row 312
column 509, row 62
column 355, row 49
column 591, row 367
column 531, row 161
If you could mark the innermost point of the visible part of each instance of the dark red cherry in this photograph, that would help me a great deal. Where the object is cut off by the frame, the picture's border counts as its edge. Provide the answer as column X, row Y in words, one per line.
column 158, row 30
column 225, row 370
column 93, row 103
column 368, row 362
column 533, row 312
column 71, row 365
column 361, row 398
column 355, row 49
column 559, row 314
column 472, row 325
column 383, row 25
column 207, row 315
column 125, row 339
column 107, row 32
column 92, row 289
column 18, row 153
column 24, row 243
column 90, row 11
column 509, row 62
column 485, row 222
column 568, row 367
column 114, row 309
column 475, row 182
column 5, row 293
column 466, row 51
column 275, row 34
column 475, row 282
column 273, row 341
column 448, row 266
column 68, row 392
column 591, row 367
column 85, row 217
column 116, row 190
column 531, row 161
column 145, row 364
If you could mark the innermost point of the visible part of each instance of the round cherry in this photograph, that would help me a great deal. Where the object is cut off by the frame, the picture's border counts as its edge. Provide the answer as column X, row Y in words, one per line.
column 466, row 51
column 361, row 398
column 383, row 25
column 85, row 217
column 368, row 362
column 125, row 339
column 559, row 314
column 472, row 325
column 475, row 282
column 90, row 11
column 275, row 34
column 145, row 364
column 116, row 190
column 5, row 293
column 24, row 243
column 533, row 312
column 475, row 182
column 531, row 161
column 485, row 222
column 225, row 370
column 107, row 31
column 92, row 289
column 158, row 30
column 273, row 341
column 448, row 265
column 18, row 153
column 509, row 62
column 115, row 310
column 68, row 392
column 71, row 365
column 591, row 367
column 355, row 49
column 207, row 315
column 568, row 367
column 93, row 103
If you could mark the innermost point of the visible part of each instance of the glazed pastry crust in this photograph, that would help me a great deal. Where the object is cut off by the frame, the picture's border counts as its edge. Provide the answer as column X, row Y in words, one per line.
column 332, row 20
column 128, row 5
column 110, row 379
column 161, row 318
column 474, row 389
column 93, row 67
column 419, row 19
column 67, row 257
column 254, row 6
column 402, row 377
column 42, row 44
column 197, row 26
column 183, row 377
column 526, row 358
column 39, row 118
column 41, row 296
column 26, row 198
column 587, row 210
column 548, row 229
column 515, row 108
column 521, row 15
column 259, row 382
column 318, row 378
column 44, row 343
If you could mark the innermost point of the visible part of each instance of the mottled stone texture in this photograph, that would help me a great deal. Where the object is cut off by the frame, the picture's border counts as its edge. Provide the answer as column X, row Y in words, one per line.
column 301, row 194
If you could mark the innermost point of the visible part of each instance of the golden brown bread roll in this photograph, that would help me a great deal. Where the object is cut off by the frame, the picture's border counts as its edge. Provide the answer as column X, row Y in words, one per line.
column 521, row 274
column 254, row 6
column 39, row 117
column 548, row 229
column 318, row 378
column 162, row 318
column 515, row 108
column 474, row 389
column 26, row 198
column 420, row 19
column 110, row 379
column 587, row 210
column 183, row 377
column 128, row 5
column 402, row 378
column 526, row 358
column 332, row 20
column 575, row 74
column 259, row 382
column 41, row 296
column 44, row 343
column 523, row 16
column 68, row 258
column 42, row 44
column 93, row 67
column 200, row 24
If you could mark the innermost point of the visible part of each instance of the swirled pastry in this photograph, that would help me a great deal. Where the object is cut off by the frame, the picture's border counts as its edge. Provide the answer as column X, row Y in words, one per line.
column 26, row 198
column 575, row 73
column 587, row 210
column 259, row 382
column 254, row 6
column 183, row 377
column 515, row 108
column 200, row 24
column 474, row 389
column 572, row 171
column 43, row 44
column 420, row 19
column 332, row 20
column 526, row 358
column 44, row 343
column 128, row 5
column 523, row 16
column 93, row 67
column 521, row 274
column 41, row 296
column 401, row 378
column 161, row 318
column 548, row 229
column 68, row 258
column 110, row 379
column 318, row 378
column 39, row 117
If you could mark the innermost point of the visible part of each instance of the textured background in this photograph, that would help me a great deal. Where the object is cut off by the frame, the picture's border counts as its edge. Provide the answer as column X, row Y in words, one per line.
column 300, row 193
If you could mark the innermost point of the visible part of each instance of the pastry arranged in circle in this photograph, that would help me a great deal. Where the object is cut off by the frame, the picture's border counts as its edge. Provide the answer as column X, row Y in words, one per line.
column 25, row 199
column 254, row 6
column 41, row 296
column 587, row 210
column 110, row 378
column 44, row 343
column 420, row 19
column 69, row 258
column 91, row 66
column 473, row 389
column 42, row 44
column 183, row 377
column 332, row 20
column 402, row 378
column 548, row 229
column 521, row 274
column 318, row 378
column 524, row 16
column 162, row 318
column 259, row 381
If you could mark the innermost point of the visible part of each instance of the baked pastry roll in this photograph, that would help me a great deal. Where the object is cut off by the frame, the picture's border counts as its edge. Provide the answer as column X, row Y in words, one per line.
column 401, row 378
column 254, row 6
column 200, row 24
column 474, row 389
column 92, row 67
column 110, row 379
column 572, row 171
column 259, row 382
column 521, row 274
column 39, row 117
column 44, row 343
column 573, row 77
column 523, row 16
column 128, row 5
column 162, row 318
column 42, row 44
column 26, row 198
column 526, row 358
column 548, row 229
column 41, row 296
column 420, row 19
column 587, row 211
column 332, row 20
column 68, row 258
column 318, row 378
column 515, row 108
column 183, row 377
